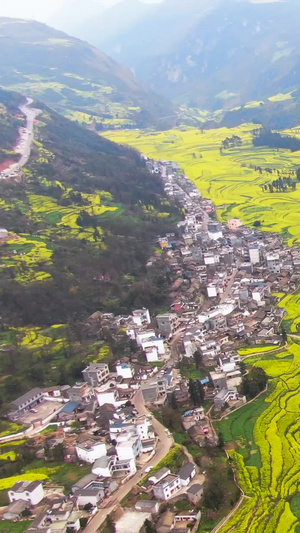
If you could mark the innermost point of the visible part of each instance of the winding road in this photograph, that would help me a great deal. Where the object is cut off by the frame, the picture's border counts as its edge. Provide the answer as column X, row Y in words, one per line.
column 163, row 448
column 30, row 114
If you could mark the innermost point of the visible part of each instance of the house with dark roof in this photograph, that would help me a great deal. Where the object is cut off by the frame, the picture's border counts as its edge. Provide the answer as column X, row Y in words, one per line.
column 25, row 402
column 195, row 493
column 31, row 492
column 186, row 473
column 15, row 509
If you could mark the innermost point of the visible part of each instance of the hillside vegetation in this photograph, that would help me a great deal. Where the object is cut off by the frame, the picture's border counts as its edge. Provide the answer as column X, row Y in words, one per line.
column 73, row 77
column 83, row 223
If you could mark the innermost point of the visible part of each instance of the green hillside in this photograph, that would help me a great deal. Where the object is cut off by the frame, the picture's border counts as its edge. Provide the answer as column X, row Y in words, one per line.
column 73, row 77
column 83, row 223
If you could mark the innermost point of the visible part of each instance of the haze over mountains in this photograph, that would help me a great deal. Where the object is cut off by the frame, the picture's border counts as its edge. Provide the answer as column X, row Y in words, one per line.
column 209, row 53
column 73, row 77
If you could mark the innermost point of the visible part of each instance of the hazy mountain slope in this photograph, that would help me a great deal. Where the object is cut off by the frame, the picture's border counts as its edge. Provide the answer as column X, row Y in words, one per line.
column 135, row 31
column 240, row 51
column 83, row 224
column 98, row 25
column 72, row 76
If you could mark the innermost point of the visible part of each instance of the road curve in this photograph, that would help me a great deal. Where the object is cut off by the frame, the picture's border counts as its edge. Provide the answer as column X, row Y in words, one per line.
column 30, row 114
column 163, row 448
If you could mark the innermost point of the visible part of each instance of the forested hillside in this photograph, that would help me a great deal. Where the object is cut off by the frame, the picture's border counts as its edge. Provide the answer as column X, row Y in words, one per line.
column 83, row 223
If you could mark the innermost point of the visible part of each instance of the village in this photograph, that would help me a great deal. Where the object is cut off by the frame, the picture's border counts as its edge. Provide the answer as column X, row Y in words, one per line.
column 228, row 280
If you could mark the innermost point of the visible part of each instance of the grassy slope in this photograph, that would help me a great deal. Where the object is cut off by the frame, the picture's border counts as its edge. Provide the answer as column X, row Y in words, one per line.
column 85, row 208
column 73, row 77
column 227, row 178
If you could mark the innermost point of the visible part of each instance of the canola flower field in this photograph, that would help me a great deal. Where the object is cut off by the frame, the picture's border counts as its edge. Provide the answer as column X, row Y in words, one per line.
column 262, row 437
column 228, row 176
column 264, row 446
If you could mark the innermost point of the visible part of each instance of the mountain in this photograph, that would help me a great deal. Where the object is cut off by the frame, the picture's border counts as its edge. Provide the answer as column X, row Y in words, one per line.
column 82, row 223
column 74, row 77
column 213, row 54
column 239, row 52
column 95, row 24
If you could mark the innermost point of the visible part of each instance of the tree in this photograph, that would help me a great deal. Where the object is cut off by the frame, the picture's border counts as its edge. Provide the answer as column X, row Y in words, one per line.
column 257, row 223
column 213, row 496
column 110, row 525
column 221, row 441
column 254, row 382
column 283, row 334
column 26, row 513
column 198, row 358
column 58, row 453
column 196, row 391
column 173, row 401
column 242, row 366
column 148, row 527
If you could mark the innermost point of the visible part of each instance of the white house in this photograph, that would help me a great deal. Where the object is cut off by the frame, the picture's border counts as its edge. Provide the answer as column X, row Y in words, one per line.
column 167, row 488
column 141, row 317
column 28, row 491
column 128, row 446
column 108, row 396
column 125, row 370
column 108, row 466
column 158, row 342
column 186, row 473
column 152, row 354
column 142, row 336
column 90, row 450
column 144, row 428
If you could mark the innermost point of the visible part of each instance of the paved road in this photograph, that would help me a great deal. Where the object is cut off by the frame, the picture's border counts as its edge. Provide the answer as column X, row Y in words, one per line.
column 30, row 115
column 164, row 446
column 227, row 291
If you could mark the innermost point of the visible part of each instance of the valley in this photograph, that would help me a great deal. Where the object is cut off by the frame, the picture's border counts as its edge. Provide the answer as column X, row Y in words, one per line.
column 231, row 177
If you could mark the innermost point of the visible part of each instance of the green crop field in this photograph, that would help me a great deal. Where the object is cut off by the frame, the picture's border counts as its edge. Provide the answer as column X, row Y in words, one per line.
column 264, row 445
column 229, row 177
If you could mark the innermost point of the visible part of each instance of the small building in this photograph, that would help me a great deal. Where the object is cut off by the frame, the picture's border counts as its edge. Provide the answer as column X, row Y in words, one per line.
column 147, row 506
column 93, row 495
column 195, row 493
column 141, row 317
column 14, row 510
column 234, row 224
column 223, row 396
column 187, row 517
column 90, row 450
column 125, row 370
column 84, row 482
column 167, row 487
column 186, row 473
column 219, row 380
column 31, row 492
column 96, row 373
column 159, row 475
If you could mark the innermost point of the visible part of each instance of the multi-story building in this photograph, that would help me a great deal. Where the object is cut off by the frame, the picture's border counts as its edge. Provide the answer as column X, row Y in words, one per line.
column 96, row 373
column 80, row 392
column 254, row 254
column 168, row 324
column 273, row 263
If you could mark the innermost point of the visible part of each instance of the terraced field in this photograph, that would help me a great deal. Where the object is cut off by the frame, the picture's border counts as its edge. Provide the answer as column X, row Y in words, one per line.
column 264, row 445
column 228, row 177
